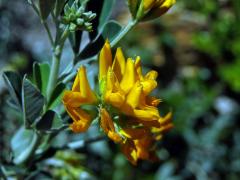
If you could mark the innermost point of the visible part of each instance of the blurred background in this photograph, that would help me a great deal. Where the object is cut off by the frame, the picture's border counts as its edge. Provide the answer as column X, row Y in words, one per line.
column 196, row 50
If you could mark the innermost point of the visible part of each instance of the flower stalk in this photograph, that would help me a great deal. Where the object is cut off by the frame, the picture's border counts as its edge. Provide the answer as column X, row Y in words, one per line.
column 123, row 33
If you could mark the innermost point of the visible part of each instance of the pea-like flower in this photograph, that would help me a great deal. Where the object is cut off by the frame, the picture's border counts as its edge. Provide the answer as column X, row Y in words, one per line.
column 149, row 9
column 128, row 115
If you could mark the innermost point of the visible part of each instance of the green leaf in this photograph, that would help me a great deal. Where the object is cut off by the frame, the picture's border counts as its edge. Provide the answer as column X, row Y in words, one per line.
column 46, row 6
column 45, row 123
column 41, row 74
column 20, row 142
column 57, row 94
column 105, row 13
column 32, row 102
column 75, row 40
column 111, row 30
column 92, row 48
column 14, row 84
column 59, row 7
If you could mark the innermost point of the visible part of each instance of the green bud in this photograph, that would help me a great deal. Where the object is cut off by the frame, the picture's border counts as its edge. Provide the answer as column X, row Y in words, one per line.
column 92, row 16
column 87, row 14
column 80, row 21
column 80, row 11
column 72, row 27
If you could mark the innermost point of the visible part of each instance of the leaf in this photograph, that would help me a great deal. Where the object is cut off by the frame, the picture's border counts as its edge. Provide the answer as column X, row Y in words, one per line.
column 14, row 84
column 20, row 142
column 105, row 13
column 75, row 40
column 59, row 7
column 46, row 6
column 57, row 94
column 32, row 102
column 45, row 123
column 41, row 73
column 92, row 48
column 96, row 7
column 111, row 30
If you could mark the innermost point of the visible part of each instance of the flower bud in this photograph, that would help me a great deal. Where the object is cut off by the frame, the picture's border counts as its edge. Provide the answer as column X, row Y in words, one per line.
column 149, row 9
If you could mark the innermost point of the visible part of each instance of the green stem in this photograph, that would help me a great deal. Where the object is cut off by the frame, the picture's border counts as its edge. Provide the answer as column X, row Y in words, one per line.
column 126, row 29
column 48, row 32
column 55, row 65
column 53, row 74
column 28, row 153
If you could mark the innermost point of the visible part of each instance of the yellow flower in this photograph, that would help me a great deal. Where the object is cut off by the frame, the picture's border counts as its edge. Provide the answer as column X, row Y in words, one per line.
column 128, row 115
column 149, row 9
column 81, row 94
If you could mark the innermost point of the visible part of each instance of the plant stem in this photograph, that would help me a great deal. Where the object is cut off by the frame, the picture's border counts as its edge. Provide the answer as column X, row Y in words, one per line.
column 126, row 29
column 48, row 32
column 56, row 64
column 53, row 74
column 27, row 154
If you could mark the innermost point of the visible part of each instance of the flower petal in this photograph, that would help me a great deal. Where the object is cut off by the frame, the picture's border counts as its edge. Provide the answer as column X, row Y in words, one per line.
column 105, row 60
column 119, row 64
column 85, row 88
column 129, row 77
column 107, row 125
column 81, row 120
column 133, row 98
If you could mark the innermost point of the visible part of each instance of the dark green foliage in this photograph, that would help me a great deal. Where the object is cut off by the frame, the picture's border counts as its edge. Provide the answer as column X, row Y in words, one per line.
column 32, row 102
column 14, row 83
column 46, row 6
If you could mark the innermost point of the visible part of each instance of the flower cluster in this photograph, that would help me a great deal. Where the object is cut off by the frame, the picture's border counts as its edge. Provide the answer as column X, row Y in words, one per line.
column 149, row 9
column 128, row 114
column 76, row 17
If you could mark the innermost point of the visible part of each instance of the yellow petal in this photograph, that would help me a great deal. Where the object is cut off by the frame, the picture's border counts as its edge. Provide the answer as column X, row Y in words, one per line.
column 160, row 8
column 119, row 64
column 148, row 86
column 132, row 133
column 162, row 129
column 129, row 77
column 148, row 4
column 81, row 120
column 138, row 68
column 85, row 88
column 146, row 114
column 74, row 99
column 151, row 75
column 133, row 98
column 143, row 147
column 113, row 94
column 107, row 125
column 149, row 82
column 129, row 150
column 152, row 101
column 105, row 60
column 76, row 83
column 166, row 119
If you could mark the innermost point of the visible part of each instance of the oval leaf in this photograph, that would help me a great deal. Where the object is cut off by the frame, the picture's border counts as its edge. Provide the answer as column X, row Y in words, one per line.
column 105, row 13
column 45, row 123
column 111, row 30
column 41, row 72
column 14, row 84
column 32, row 102
column 46, row 6
column 20, row 142
column 57, row 94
